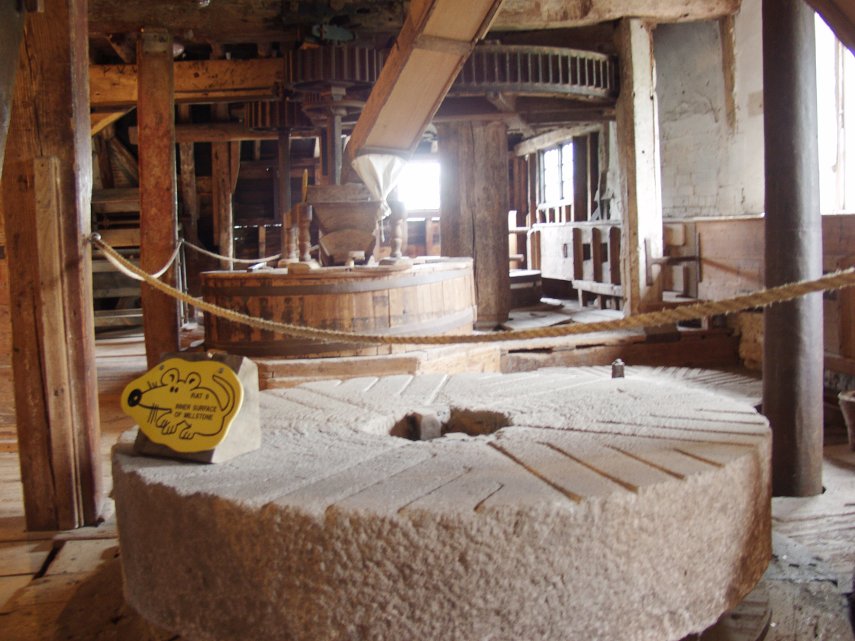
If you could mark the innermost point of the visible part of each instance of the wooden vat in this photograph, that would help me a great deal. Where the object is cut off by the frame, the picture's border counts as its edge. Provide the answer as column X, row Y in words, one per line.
column 434, row 296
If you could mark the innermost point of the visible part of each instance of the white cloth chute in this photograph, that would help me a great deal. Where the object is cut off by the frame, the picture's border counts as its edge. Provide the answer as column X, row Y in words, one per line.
column 380, row 173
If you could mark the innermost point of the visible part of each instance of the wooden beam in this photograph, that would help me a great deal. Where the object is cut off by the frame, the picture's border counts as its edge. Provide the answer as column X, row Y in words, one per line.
column 847, row 314
column 11, row 30
column 102, row 178
column 288, row 240
column 792, row 336
column 186, row 132
column 726, row 27
column 241, row 21
column 45, row 204
column 414, row 81
column 556, row 14
column 638, row 142
column 234, row 164
column 107, row 201
column 581, row 167
column 474, row 220
column 42, row 395
column 840, row 16
column 100, row 120
column 114, row 87
column 222, row 192
column 222, row 200
column 552, row 138
column 125, row 161
column 157, row 188
column 125, row 46
column 187, row 178
column 237, row 21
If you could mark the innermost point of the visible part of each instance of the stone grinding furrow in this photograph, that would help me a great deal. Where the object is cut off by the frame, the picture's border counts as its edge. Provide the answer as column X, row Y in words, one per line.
column 316, row 497
column 572, row 478
column 669, row 460
column 396, row 491
column 519, row 486
column 466, row 493
column 623, row 470
column 716, row 453
column 370, row 393
column 424, row 389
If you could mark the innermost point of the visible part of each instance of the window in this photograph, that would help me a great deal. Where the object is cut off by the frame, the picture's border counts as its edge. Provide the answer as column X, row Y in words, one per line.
column 556, row 174
column 418, row 186
column 835, row 67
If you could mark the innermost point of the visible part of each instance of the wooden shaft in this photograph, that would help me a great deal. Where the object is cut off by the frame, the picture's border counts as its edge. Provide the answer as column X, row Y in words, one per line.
column 283, row 178
column 398, row 218
column 581, row 211
column 333, row 149
column 793, row 344
column 189, row 199
column 638, row 142
column 847, row 313
column 157, row 187
column 222, row 199
column 11, row 30
column 305, row 222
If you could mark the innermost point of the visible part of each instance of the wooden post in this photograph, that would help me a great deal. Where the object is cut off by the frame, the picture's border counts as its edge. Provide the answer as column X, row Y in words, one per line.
column 638, row 142
column 45, row 207
column 158, row 219
column 189, row 199
column 283, row 178
column 793, row 352
column 846, row 319
column 593, row 173
column 474, row 201
column 581, row 207
column 221, row 181
column 304, row 220
column 222, row 198
column 11, row 30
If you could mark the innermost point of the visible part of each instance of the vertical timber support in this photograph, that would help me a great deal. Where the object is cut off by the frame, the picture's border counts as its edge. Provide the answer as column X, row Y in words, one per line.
column 283, row 176
column 189, row 197
column 221, row 185
column 11, row 30
column 45, row 203
column 638, row 142
column 474, row 221
column 793, row 354
column 156, row 121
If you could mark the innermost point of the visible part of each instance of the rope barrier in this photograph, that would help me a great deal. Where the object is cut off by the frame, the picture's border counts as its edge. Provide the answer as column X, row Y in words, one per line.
column 233, row 261
column 762, row 298
column 130, row 274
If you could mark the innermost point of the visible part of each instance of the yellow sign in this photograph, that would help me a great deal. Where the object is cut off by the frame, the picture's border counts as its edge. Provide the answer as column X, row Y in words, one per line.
column 187, row 406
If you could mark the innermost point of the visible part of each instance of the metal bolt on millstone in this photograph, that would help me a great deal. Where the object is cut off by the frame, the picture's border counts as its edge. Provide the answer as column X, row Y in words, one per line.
column 617, row 368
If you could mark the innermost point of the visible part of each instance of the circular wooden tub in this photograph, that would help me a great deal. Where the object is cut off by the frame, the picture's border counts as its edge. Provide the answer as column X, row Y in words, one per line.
column 431, row 297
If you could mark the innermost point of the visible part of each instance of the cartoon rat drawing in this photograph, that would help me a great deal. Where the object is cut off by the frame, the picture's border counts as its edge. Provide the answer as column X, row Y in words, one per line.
column 169, row 411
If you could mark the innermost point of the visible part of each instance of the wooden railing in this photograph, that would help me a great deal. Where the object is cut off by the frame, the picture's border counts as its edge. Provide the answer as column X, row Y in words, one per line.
column 586, row 255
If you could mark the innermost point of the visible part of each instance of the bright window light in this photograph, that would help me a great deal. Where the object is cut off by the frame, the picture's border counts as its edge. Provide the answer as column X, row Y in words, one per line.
column 418, row 187
column 835, row 68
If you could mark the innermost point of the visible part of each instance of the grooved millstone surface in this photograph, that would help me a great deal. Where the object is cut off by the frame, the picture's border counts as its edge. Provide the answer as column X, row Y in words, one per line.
column 633, row 509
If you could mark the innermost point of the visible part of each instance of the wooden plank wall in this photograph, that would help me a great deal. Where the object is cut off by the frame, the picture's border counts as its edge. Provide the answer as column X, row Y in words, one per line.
column 732, row 261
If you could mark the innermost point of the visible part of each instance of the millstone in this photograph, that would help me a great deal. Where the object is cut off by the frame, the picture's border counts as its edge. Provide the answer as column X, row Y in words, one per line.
column 557, row 505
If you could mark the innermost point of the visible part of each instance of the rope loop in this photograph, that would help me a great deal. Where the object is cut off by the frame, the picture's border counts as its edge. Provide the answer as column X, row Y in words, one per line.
column 762, row 298
column 233, row 261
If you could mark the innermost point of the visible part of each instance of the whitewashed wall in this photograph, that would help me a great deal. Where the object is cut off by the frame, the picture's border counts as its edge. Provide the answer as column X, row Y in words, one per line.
column 710, row 167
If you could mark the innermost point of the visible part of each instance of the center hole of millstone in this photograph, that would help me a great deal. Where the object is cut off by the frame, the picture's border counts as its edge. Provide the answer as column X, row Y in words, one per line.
column 432, row 423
